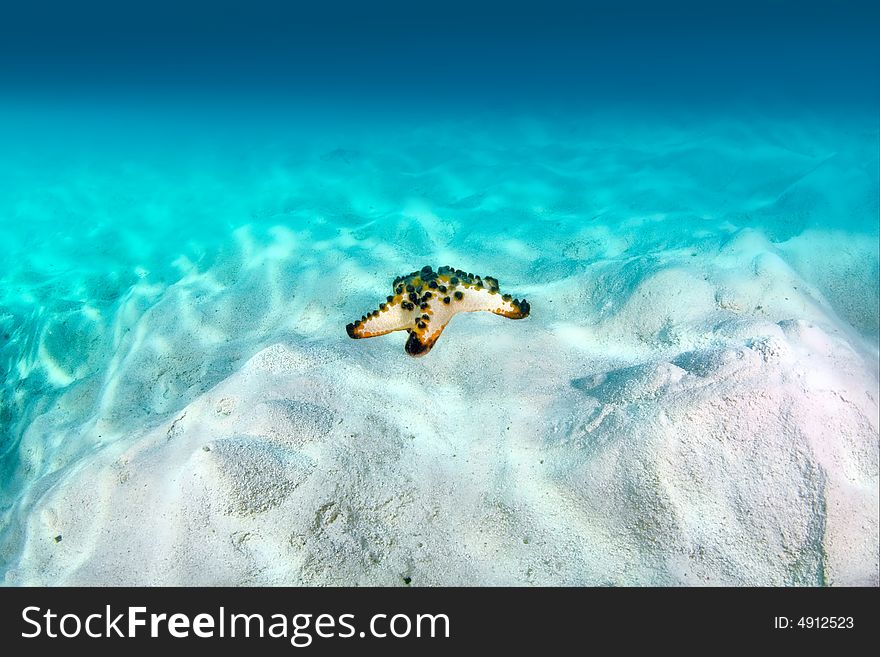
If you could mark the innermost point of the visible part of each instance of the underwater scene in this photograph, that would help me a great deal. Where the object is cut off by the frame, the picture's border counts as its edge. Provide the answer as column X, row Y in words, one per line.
column 267, row 341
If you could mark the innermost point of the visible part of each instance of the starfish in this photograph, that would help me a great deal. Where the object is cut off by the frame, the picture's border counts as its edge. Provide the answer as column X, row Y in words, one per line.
column 424, row 301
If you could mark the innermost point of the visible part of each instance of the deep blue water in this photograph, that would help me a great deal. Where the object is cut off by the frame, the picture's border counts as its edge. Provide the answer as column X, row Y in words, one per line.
column 433, row 54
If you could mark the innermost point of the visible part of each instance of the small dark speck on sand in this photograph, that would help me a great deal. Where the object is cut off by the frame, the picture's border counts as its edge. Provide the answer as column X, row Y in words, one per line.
column 407, row 580
column 58, row 538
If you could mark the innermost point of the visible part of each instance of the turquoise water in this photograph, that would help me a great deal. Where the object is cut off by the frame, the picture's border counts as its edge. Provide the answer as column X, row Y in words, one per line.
column 148, row 254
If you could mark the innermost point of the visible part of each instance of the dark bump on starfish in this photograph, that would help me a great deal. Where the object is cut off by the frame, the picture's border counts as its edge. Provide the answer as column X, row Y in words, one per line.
column 423, row 306
column 389, row 298
column 459, row 295
column 454, row 280
column 349, row 328
column 442, row 288
column 415, row 347
column 410, row 287
column 446, row 299
column 427, row 295
column 375, row 313
column 413, row 297
column 383, row 306
column 421, row 325
column 506, row 297
column 433, row 285
column 426, row 316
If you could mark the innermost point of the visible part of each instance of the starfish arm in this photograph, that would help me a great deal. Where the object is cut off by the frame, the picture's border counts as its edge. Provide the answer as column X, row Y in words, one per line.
column 388, row 318
column 480, row 299
column 419, row 345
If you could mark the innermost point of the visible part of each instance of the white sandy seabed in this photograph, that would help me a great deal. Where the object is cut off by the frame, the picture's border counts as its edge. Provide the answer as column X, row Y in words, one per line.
column 690, row 403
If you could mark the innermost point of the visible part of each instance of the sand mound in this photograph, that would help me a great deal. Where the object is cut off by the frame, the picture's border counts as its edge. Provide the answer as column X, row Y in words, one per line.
column 753, row 463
